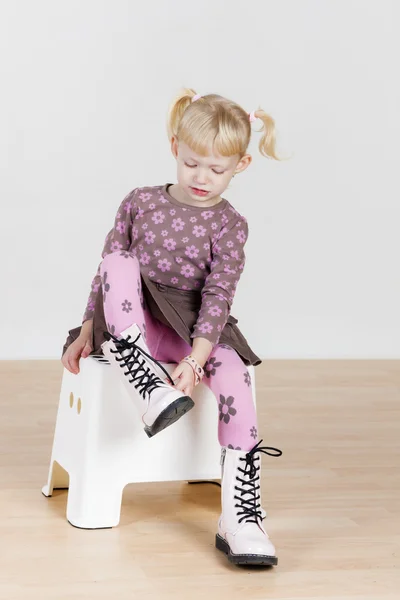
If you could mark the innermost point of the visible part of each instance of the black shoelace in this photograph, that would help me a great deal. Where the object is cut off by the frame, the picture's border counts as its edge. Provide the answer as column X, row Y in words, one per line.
column 250, row 508
column 142, row 379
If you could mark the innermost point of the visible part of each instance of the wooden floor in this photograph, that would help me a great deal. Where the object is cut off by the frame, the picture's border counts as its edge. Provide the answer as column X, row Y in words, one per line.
column 333, row 498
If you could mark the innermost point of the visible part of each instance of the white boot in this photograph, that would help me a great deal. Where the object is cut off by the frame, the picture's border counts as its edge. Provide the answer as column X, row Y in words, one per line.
column 149, row 385
column 240, row 532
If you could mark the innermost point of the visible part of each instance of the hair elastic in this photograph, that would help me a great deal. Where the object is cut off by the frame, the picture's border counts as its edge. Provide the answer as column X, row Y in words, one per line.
column 252, row 116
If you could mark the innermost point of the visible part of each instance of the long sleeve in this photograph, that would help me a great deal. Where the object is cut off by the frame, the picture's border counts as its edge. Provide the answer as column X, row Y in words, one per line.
column 118, row 238
column 228, row 260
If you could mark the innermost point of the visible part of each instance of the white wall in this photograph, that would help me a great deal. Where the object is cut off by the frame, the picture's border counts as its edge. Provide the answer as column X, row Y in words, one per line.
column 85, row 86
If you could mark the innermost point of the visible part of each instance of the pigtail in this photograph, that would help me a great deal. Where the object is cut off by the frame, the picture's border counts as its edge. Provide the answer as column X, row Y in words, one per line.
column 267, row 145
column 176, row 110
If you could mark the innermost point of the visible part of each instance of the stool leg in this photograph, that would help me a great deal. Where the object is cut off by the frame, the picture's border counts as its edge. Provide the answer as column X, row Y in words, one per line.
column 58, row 479
column 93, row 503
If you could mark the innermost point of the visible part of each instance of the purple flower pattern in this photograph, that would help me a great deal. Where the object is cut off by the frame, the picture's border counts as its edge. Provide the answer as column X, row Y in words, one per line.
column 127, row 306
column 226, row 411
column 211, row 366
column 111, row 328
column 106, row 286
column 187, row 247
column 253, row 433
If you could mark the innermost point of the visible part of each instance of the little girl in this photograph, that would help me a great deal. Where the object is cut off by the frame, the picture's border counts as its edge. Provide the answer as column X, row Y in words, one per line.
column 163, row 293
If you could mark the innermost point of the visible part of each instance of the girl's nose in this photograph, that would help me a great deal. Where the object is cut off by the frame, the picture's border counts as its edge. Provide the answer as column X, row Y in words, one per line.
column 201, row 178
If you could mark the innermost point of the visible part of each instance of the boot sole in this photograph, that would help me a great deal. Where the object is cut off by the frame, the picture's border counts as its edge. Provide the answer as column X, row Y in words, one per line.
column 170, row 415
column 244, row 559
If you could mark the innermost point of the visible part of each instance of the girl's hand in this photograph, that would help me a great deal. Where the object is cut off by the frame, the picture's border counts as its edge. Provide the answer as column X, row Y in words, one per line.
column 185, row 374
column 81, row 347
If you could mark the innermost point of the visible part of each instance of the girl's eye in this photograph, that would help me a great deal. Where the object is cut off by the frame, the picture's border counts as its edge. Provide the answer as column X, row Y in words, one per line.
column 216, row 172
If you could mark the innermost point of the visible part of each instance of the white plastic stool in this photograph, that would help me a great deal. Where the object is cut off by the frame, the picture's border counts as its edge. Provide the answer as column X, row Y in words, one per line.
column 100, row 446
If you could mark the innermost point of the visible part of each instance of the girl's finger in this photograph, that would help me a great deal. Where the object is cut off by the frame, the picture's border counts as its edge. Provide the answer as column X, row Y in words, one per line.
column 74, row 362
column 70, row 367
column 174, row 377
column 87, row 350
column 67, row 363
column 175, row 373
column 186, row 384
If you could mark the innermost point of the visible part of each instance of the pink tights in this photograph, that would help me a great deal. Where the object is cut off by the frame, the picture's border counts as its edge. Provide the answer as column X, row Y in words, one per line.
column 225, row 372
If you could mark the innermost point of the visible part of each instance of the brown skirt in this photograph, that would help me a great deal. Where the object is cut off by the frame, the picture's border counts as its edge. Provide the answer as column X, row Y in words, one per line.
column 177, row 309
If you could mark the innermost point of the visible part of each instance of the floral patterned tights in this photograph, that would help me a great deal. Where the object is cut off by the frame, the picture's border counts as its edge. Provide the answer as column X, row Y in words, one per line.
column 224, row 372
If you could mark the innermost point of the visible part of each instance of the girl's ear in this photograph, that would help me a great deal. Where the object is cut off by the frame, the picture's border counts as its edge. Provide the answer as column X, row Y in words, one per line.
column 243, row 163
column 174, row 146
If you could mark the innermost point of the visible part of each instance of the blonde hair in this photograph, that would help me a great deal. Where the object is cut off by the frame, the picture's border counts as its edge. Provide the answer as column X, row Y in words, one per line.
column 214, row 122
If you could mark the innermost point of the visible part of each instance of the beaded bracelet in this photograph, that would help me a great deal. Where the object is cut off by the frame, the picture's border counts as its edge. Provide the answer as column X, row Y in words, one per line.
column 197, row 369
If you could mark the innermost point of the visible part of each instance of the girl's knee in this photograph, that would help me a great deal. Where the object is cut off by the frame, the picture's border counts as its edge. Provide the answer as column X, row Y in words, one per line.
column 225, row 352
column 223, row 363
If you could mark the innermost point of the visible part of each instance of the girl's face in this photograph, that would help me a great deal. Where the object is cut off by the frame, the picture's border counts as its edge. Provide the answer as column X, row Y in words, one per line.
column 208, row 174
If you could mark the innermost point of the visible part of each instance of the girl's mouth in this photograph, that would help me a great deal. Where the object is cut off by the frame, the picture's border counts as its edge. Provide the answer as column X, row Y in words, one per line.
column 199, row 192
